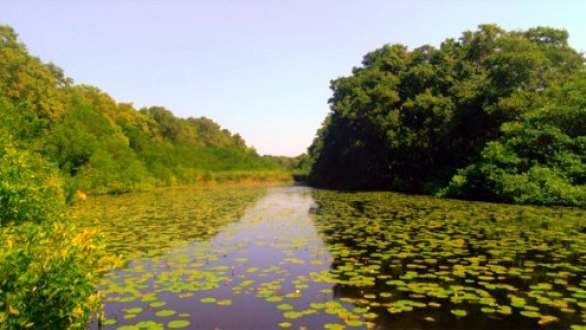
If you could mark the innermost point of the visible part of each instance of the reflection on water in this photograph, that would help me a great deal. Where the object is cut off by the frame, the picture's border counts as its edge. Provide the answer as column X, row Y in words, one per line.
column 254, row 274
column 142, row 224
column 254, row 258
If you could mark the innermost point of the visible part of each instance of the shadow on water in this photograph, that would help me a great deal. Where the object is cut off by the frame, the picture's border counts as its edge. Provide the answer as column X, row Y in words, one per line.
column 424, row 263
column 290, row 257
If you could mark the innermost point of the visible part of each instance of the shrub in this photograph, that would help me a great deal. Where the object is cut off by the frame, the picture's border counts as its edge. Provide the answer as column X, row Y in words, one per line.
column 48, row 268
column 48, row 275
column 30, row 188
column 539, row 160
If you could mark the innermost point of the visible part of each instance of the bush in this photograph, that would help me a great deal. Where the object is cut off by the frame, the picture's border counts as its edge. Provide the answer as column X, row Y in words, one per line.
column 538, row 185
column 30, row 188
column 48, row 268
column 539, row 160
column 48, row 275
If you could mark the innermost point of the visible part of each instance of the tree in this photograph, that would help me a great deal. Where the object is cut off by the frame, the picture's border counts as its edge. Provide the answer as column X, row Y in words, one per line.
column 540, row 159
column 408, row 120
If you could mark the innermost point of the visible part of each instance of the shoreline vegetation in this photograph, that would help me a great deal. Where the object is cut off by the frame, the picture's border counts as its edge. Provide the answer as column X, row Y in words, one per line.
column 98, row 145
column 205, row 179
column 493, row 115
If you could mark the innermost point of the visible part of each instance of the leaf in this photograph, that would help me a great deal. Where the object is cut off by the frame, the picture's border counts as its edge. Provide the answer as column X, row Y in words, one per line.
column 285, row 307
column 177, row 324
column 208, row 300
column 459, row 312
column 165, row 313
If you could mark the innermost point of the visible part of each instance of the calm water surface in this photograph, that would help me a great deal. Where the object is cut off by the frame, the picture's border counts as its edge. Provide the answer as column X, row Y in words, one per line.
column 249, row 257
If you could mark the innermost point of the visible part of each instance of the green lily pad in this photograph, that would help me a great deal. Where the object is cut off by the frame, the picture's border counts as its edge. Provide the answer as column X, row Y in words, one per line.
column 274, row 299
column 292, row 315
column 177, row 324
column 157, row 304
column 165, row 313
column 224, row 302
column 354, row 323
column 128, row 327
column 285, row 307
column 109, row 322
column 459, row 312
column 134, row 310
column 149, row 325
column 208, row 300
column 531, row 314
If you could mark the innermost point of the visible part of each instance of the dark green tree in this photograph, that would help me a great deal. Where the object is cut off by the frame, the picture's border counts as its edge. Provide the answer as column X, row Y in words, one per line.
column 407, row 120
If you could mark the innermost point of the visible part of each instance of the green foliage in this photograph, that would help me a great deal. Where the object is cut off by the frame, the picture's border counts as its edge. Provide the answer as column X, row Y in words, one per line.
column 102, row 146
column 48, row 269
column 30, row 188
column 487, row 116
column 48, row 276
column 540, row 159
column 26, row 81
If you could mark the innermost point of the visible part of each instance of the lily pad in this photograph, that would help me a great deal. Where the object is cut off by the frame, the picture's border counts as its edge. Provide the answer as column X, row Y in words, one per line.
column 285, row 307
column 459, row 312
column 208, row 300
column 178, row 324
column 165, row 313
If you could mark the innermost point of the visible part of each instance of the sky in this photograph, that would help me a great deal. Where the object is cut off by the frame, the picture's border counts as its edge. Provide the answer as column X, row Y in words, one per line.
column 258, row 68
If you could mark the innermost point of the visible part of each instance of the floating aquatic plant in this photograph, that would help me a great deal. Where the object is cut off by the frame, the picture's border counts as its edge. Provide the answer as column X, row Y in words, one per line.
column 393, row 257
column 177, row 324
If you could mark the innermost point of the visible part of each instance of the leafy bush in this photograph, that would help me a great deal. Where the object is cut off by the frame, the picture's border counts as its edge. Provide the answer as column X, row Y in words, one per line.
column 540, row 160
column 30, row 188
column 48, row 268
column 48, row 275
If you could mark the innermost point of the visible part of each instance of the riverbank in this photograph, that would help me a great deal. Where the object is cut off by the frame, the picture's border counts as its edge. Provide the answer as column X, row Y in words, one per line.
column 208, row 178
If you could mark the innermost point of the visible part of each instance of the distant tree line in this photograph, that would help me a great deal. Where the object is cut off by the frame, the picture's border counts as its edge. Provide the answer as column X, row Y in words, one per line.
column 493, row 115
column 100, row 145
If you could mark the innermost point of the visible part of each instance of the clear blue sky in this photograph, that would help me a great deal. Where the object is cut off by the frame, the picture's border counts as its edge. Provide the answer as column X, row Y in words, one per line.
column 260, row 68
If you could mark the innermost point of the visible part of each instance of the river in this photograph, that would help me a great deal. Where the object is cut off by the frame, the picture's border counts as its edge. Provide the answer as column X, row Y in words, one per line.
column 258, row 257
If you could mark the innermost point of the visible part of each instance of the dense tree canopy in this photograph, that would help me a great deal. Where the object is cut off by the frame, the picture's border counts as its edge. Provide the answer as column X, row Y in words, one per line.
column 101, row 145
column 492, row 115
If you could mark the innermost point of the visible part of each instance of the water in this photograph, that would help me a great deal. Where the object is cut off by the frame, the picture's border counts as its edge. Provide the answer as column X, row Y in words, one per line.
column 250, row 257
